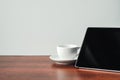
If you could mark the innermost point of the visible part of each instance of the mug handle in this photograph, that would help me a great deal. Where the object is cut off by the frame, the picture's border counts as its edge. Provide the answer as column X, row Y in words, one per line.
column 78, row 50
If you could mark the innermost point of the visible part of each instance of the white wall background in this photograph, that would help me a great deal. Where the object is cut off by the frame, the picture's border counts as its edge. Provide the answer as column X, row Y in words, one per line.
column 36, row 27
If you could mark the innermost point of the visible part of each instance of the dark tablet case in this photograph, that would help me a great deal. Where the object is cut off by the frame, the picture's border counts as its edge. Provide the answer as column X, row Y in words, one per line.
column 100, row 49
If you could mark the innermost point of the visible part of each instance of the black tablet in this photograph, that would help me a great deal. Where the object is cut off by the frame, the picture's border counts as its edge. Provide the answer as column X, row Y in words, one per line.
column 100, row 49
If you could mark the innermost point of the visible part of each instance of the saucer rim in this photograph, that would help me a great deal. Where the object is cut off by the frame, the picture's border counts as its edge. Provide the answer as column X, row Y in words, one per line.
column 53, row 57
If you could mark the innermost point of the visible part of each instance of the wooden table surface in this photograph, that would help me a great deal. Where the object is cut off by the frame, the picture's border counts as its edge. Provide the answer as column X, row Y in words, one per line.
column 42, row 68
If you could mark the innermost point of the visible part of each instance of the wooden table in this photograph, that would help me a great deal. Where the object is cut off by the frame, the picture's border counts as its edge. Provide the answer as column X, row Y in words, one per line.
column 42, row 68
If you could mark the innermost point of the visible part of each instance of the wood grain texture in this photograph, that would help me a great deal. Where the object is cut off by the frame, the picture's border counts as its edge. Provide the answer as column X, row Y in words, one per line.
column 42, row 68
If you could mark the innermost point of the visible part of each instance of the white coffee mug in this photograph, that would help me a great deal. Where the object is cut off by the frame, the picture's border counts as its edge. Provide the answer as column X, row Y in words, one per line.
column 69, row 51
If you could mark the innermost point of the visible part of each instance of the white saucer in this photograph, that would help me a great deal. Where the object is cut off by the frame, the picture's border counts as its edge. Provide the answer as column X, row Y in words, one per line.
column 57, row 60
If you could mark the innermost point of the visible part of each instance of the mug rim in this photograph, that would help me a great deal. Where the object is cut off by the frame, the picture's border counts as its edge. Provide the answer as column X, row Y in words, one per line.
column 67, row 46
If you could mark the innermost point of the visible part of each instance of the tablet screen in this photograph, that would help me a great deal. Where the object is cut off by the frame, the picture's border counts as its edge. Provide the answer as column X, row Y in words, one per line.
column 100, row 49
